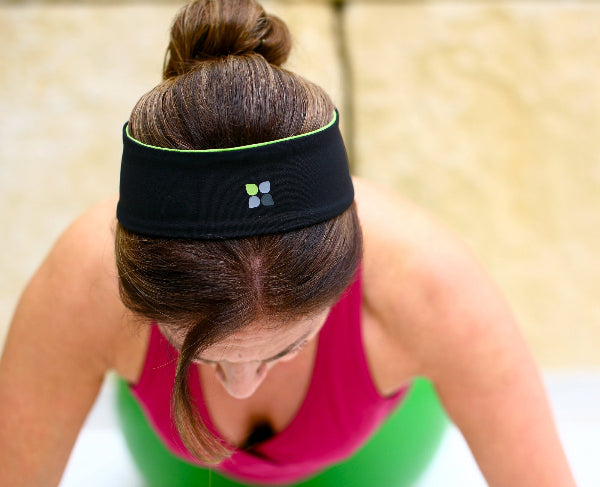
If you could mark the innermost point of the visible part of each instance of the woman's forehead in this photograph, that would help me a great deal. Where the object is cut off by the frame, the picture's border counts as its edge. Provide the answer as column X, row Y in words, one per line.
column 258, row 341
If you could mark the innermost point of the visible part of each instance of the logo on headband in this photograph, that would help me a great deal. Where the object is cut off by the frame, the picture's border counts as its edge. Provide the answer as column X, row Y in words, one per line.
column 264, row 198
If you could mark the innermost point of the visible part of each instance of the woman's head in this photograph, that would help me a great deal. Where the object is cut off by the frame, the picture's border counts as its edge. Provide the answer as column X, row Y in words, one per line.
column 223, row 87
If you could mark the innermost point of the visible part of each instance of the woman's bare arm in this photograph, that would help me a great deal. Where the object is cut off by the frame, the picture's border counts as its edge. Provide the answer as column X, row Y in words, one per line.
column 487, row 379
column 57, row 351
column 438, row 306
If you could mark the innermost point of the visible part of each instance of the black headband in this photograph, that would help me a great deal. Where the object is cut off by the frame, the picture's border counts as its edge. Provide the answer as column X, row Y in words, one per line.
column 237, row 192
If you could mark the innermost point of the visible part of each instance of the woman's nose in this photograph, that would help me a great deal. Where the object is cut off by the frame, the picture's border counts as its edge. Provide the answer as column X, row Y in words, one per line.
column 241, row 379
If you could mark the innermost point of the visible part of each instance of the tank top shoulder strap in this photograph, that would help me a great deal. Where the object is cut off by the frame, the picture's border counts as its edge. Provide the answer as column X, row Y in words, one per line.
column 342, row 342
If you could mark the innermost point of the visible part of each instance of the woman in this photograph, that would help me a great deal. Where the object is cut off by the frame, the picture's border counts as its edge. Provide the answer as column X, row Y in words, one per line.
column 245, row 294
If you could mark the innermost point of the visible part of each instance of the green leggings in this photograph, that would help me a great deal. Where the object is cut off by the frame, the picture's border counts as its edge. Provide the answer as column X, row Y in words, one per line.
column 394, row 457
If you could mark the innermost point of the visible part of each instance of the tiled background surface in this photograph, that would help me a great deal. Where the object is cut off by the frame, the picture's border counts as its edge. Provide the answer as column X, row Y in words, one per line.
column 488, row 113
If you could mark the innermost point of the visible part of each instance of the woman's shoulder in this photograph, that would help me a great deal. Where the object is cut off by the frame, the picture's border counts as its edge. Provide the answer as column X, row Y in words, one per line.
column 81, row 266
column 420, row 281
column 404, row 245
column 82, row 258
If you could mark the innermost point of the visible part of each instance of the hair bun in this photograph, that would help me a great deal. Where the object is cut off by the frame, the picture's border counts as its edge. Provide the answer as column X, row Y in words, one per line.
column 209, row 29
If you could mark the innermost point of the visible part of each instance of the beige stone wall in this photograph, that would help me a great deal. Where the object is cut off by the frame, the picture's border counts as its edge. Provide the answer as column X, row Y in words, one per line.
column 488, row 114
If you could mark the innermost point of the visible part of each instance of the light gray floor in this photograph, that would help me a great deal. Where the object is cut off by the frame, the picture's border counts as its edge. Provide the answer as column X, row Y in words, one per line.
column 100, row 457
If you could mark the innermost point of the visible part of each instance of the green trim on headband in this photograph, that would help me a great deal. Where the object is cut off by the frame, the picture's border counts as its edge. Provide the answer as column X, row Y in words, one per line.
column 229, row 149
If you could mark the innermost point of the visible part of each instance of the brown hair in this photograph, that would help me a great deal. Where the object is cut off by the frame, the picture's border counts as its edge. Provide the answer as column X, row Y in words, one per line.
column 223, row 87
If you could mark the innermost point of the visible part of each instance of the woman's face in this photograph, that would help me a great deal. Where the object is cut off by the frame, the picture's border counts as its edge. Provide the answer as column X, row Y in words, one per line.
column 243, row 360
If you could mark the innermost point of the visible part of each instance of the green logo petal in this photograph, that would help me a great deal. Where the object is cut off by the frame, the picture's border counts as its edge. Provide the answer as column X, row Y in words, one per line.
column 251, row 189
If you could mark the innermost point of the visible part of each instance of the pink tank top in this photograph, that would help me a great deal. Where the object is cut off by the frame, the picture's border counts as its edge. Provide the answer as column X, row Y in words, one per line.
column 340, row 411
